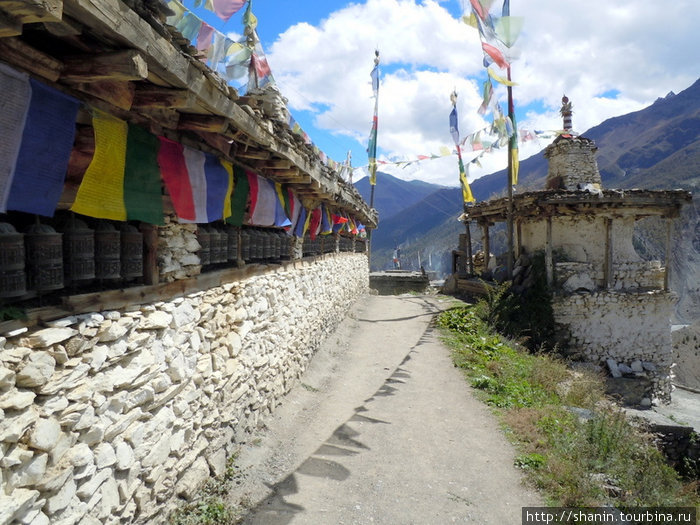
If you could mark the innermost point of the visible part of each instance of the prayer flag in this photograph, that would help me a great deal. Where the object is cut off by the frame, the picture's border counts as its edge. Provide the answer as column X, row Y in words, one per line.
column 454, row 126
column 205, row 37
column 326, row 224
column 315, row 224
column 42, row 160
column 17, row 95
column 225, row 9
column 467, row 195
column 174, row 172
column 487, row 95
column 296, row 207
column 281, row 218
column 264, row 201
column 495, row 54
column 143, row 195
column 101, row 193
column 500, row 79
column 300, row 226
column 239, row 198
column 372, row 143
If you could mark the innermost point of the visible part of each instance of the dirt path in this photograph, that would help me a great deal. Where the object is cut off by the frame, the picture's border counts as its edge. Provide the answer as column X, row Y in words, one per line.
column 383, row 430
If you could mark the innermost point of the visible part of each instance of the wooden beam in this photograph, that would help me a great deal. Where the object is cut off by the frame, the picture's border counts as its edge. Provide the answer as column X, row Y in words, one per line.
column 253, row 154
column 150, row 253
column 275, row 164
column 157, row 97
column 29, row 59
column 216, row 141
column 31, row 11
column 166, row 118
column 119, row 94
column 209, row 123
column 9, row 26
column 120, row 65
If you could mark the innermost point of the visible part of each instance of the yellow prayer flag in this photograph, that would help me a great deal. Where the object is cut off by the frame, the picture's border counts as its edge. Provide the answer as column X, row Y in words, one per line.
column 500, row 79
column 229, row 191
column 515, row 162
column 101, row 193
column 445, row 151
column 466, row 189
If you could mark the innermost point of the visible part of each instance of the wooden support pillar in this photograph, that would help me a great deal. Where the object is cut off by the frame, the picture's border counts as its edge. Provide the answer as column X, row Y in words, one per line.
column 151, row 274
column 608, row 261
column 487, row 246
column 470, row 260
column 548, row 258
column 667, row 269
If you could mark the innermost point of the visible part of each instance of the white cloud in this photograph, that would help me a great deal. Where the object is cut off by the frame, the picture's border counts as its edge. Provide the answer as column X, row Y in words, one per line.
column 640, row 50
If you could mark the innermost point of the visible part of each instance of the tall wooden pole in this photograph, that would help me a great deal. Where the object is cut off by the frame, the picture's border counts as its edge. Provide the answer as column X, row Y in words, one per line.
column 509, row 223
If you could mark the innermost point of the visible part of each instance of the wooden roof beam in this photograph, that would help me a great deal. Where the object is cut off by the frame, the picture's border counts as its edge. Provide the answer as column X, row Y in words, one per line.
column 30, row 11
column 119, row 66
column 151, row 97
column 208, row 123
column 9, row 26
column 29, row 59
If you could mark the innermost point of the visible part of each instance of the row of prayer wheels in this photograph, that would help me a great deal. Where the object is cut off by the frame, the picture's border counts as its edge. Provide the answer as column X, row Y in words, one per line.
column 43, row 259
column 219, row 245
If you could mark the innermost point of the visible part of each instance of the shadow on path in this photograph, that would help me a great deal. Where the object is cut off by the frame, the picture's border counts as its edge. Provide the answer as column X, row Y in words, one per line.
column 343, row 442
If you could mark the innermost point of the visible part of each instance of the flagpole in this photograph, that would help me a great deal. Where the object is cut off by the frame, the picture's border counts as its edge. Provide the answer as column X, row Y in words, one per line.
column 509, row 223
column 372, row 150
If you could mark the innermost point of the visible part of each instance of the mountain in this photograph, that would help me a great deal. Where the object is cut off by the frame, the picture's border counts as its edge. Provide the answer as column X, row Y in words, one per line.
column 656, row 147
column 392, row 195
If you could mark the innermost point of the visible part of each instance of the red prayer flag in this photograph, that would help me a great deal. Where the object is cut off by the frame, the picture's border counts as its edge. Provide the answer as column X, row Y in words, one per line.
column 173, row 169
column 495, row 54
column 225, row 9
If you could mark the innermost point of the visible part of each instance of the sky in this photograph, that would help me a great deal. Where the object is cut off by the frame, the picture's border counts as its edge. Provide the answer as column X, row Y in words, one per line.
column 609, row 58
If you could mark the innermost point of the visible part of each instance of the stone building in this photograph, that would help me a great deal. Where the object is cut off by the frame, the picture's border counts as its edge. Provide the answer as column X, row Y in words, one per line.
column 610, row 306
column 120, row 393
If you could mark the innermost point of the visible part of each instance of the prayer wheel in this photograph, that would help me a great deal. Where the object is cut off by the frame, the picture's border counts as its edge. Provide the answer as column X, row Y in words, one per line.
column 232, row 243
column 44, row 252
column 286, row 246
column 203, row 238
column 214, row 245
column 245, row 245
column 268, row 245
column 78, row 251
column 257, row 245
column 221, row 243
column 13, row 280
column 107, row 251
column 131, row 252
column 278, row 245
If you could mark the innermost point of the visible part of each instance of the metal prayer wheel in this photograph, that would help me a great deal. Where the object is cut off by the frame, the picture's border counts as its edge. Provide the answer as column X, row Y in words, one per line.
column 107, row 251
column 218, row 245
column 268, row 252
column 286, row 246
column 203, row 238
column 13, row 280
column 245, row 245
column 44, row 263
column 256, row 245
column 78, row 251
column 131, row 252
column 278, row 245
column 232, row 243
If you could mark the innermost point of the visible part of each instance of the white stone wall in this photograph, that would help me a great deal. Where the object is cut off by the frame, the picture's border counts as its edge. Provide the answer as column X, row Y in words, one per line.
column 606, row 325
column 110, row 417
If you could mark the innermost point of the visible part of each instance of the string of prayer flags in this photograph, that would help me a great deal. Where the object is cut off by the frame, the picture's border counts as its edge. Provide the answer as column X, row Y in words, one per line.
column 467, row 195
column 43, row 119
column 114, row 189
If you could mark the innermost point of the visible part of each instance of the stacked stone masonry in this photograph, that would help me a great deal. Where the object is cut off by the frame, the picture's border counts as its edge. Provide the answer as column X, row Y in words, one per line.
column 111, row 417
column 617, row 318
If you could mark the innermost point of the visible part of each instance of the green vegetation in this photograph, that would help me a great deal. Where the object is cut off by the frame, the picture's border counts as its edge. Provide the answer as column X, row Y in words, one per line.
column 574, row 445
column 209, row 506
column 10, row 313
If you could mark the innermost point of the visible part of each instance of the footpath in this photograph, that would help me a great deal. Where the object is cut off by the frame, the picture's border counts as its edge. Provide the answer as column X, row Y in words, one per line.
column 382, row 429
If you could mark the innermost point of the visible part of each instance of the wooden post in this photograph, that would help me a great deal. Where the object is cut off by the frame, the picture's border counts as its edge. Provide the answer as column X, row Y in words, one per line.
column 150, row 253
column 608, row 261
column 667, row 269
column 548, row 259
column 487, row 246
column 470, row 261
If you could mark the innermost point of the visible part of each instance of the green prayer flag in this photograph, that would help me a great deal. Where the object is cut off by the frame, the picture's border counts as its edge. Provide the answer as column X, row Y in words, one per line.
column 143, row 195
column 239, row 199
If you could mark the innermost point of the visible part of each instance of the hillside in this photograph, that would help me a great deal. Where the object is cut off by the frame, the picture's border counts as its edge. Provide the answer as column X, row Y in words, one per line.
column 393, row 195
column 656, row 147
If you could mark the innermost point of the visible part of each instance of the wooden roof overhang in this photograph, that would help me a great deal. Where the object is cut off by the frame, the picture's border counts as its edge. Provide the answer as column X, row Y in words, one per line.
column 610, row 203
column 120, row 57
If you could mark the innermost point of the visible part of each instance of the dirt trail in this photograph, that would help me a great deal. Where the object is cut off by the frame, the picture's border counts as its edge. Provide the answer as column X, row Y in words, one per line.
column 382, row 429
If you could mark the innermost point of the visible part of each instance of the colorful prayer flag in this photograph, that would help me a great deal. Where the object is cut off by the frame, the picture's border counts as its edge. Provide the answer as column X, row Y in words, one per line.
column 239, row 198
column 372, row 143
column 263, row 201
column 225, row 9
column 42, row 160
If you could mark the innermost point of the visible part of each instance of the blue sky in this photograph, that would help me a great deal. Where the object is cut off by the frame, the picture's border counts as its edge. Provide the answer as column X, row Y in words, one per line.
column 610, row 58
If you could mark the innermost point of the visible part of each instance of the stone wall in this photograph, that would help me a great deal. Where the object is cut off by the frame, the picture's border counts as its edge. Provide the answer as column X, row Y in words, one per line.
column 606, row 325
column 110, row 417
column 632, row 276
column 572, row 163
